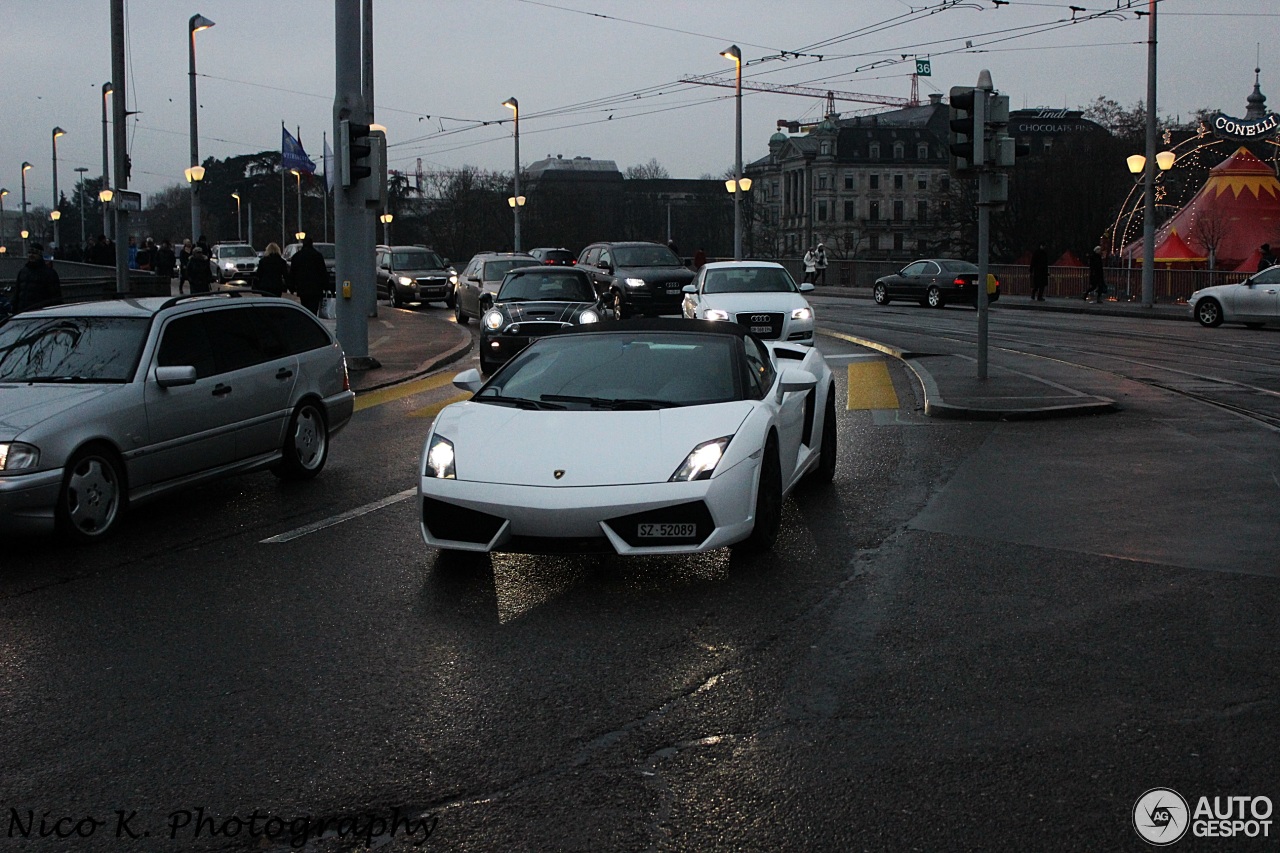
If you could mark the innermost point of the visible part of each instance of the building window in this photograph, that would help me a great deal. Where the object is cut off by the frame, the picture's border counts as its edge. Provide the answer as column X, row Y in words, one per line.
column 922, row 151
column 874, row 212
column 822, row 211
column 897, row 210
column 922, row 211
column 875, row 151
column 874, row 181
column 848, row 182
column 897, row 242
column 849, row 211
column 946, row 183
column 899, row 151
column 822, row 182
column 897, row 182
column 826, row 148
column 873, row 242
column 922, row 184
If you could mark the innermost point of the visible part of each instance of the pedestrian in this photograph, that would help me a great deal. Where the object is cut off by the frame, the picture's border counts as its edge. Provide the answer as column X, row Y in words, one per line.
column 699, row 260
column 37, row 283
column 103, row 252
column 820, row 265
column 1268, row 258
column 184, row 258
column 308, row 275
column 133, row 252
column 1097, row 281
column 198, row 273
column 810, row 265
column 273, row 271
column 1039, row 273
column 162, row 263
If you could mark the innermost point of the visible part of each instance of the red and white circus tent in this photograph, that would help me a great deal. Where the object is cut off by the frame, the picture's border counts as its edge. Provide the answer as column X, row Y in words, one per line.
column 1239, row 206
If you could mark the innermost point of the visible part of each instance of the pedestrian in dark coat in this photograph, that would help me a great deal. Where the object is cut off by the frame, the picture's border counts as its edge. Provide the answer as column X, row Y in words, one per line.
column 699, row 260
column 1039, row 273
column 37, row 282
column 1097, row 281
column 1268, row 258
column 273, row 271
column 198, row 273
column 308, row 275
column 162, row 264
column 184, row 258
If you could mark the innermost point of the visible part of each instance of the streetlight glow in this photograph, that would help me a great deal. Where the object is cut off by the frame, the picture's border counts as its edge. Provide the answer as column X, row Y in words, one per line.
column 516, row 200
column 195, row 24
column 57, row 131
column 733, row 53
column 25, row 167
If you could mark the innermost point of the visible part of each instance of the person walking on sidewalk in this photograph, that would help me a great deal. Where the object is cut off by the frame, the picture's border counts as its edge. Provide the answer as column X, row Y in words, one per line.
column 198, row 273
column 820, row 265
column 1039, row 273
column 1097, row 281
column 37, row 283
column 309, row 275
column 810, row 265
column 273, row 271
column 1268, row 258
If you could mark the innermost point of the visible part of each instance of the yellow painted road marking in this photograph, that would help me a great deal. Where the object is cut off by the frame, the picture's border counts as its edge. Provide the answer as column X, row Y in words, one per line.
column 434, row 409
column 397, row 392
column 870, row 386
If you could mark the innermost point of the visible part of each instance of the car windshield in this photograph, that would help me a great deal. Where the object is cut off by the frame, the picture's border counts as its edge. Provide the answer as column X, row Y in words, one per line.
column 71, row 349
column 619, row 370
column 957, row 266
column 237, row 252
column 495, row 270
column 748, row 280
column 546, row 286
column 416, row 260
column 645, row 256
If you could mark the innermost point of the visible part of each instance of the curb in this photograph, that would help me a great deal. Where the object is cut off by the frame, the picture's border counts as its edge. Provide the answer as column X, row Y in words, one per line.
column 1061, row 305
column 447, row 357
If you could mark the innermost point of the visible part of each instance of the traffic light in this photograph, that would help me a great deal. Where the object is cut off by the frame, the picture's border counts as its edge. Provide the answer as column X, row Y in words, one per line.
column 355, row 149
column 966, row 124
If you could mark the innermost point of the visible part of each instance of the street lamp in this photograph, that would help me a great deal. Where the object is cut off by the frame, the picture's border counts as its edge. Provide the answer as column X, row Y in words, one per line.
column 514, row 105
column 107, row 89
column 82, row 170
column 3, row 193
column 25, row 167
column 239, row 233
column 195, row 25
column 385, row 219
column 54, row 216
column 733, row 53
column 299, row 235
column 57, row 131
column 297, row 174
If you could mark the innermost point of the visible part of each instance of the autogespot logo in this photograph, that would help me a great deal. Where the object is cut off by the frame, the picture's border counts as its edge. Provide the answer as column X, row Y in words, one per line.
column 1160, row 816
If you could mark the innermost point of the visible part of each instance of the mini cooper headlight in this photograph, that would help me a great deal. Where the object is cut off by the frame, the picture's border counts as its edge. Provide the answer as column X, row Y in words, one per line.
column 717, row 314
column 805, row 313
column 493, row 320
column 17, row 456
column 701, row 461
column 588, row 316
column 635, row 282
column 440, row 459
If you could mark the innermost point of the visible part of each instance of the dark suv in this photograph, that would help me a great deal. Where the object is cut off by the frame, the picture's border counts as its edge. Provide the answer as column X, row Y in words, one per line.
column 412, row 274
column 637, row 278
column 554, row 257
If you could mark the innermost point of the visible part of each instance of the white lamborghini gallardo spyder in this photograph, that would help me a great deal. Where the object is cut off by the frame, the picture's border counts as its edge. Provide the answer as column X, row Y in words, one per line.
column 710, row 428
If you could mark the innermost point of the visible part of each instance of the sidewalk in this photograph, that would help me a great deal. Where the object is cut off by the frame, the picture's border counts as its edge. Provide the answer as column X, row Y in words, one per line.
column 407, row 344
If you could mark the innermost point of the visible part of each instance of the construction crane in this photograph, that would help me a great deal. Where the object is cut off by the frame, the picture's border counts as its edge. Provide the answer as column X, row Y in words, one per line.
column 831, row 95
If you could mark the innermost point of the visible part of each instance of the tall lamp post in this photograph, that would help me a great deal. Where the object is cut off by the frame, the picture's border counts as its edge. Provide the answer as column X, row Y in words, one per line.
column 82, row 170
column 1138, row 167
column 516, row 200
column 3, row 193
column 106, row 160
column 239, row 232
column 385, row 219
column 25, row 232
column 733, row 53
column 195, row 25
column 297, row 174
column 57, row 131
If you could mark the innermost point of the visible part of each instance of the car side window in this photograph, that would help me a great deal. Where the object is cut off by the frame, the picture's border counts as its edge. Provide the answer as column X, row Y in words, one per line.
column 298, row 330
column 1271, row 275
column 383, row 259
column 589, row 256
column 605, row 257
column 930, row 268
column 241, row 338
column 914, row 269
column 186, row 342
column 760, row 372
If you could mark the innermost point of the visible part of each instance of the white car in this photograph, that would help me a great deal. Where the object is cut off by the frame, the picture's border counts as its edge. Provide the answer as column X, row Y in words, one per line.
column 1254, row 302
column 710, row 426
column 232, row 262
column 757, row 294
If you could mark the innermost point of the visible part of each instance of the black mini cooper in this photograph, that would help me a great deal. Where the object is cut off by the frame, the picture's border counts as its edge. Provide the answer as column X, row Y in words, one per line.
column 532, row 302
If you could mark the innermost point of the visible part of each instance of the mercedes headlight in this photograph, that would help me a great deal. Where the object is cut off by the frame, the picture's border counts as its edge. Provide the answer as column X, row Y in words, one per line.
column 588, row 316
column 805, row 313
column 701, row 461
column 493, row 320
column 635, row 282
column 17, row 456
column 440, row 459
column 717, row 314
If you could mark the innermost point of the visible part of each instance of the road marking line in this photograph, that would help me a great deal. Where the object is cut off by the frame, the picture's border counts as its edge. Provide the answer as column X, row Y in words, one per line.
column 338, row 519
column 397, row 392
column 434, row 409
column 870, row 387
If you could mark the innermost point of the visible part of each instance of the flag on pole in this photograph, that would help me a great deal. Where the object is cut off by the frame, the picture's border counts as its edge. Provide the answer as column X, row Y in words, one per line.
column 328, row 165
column 292, row 156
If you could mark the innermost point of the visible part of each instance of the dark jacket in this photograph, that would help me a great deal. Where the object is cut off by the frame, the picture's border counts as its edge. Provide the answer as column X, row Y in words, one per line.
column 1096, row 278
column 273, row 272
column 1039, row 267
column 198, row 273
column 163, row 260
column 308, row 273
column 37, row 285
column 1268, row 259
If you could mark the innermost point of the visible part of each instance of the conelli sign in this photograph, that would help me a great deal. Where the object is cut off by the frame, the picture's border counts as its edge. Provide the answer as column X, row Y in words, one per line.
column 1237, row 128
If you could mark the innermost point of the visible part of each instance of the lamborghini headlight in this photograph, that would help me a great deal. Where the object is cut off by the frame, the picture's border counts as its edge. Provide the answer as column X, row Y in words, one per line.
column 493, row 320
column 805, row 313
column 717, row 314
column 588, row 316
column 440, row 459
column 17, row 456
column 701, row 461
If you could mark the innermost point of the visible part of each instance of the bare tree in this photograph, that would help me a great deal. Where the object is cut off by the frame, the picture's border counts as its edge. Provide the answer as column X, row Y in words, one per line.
column 652, row 169
column 1209, row 230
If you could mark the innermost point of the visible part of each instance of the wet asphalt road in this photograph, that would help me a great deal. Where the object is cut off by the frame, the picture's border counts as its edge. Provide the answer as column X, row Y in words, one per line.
column 967, row 642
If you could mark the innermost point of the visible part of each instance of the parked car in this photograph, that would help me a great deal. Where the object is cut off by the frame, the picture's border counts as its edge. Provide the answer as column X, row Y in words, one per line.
column 757, row 294
column 328, row 250
column 1254, row 301
column 936, row 282
column 104, row 405
column 555, row 257
column 637, row 278
column 479, row 281
column 232, row 262
column 532, row 302
column 411, row 274
column 719, row 427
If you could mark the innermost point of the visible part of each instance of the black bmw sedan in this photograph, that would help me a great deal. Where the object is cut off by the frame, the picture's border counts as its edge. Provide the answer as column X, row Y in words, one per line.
column 936, row 282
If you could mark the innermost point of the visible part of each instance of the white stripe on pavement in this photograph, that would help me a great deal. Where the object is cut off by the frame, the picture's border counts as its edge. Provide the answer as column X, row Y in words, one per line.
column 338, row 519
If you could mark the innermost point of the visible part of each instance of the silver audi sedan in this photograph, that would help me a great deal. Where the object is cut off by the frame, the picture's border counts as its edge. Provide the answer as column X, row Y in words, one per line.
column 107, row 404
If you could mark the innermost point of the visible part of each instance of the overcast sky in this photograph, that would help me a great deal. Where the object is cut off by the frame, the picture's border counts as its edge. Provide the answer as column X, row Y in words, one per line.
column 594, row 78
